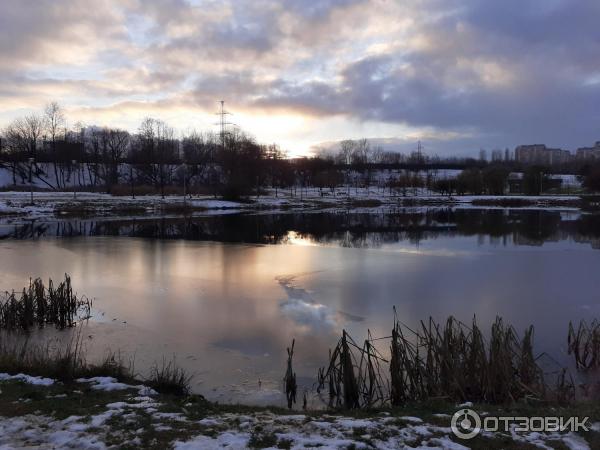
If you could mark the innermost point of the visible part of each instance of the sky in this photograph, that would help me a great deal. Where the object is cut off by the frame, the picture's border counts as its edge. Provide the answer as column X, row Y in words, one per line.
column 458, row 75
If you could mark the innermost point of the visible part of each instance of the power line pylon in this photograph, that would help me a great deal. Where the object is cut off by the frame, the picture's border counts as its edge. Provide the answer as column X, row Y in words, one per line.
column 223, row 122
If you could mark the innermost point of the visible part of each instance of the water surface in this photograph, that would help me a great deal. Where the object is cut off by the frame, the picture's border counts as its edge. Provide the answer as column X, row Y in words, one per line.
column 225, row 295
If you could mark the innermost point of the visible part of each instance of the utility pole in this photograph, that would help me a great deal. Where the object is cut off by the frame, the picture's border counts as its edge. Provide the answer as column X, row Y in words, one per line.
column 184, row 166
column 131, row 180
column 75, row 173
column 31, row 163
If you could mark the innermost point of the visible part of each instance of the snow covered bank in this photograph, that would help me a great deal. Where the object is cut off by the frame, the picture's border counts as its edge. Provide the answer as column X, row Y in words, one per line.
column 17, row 205
column 99, row 413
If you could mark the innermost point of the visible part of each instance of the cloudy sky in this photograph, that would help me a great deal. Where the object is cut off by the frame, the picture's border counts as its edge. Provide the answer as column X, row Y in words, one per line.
column 457, row 74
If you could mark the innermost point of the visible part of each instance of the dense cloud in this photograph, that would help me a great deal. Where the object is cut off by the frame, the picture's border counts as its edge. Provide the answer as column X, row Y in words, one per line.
column 462, row 74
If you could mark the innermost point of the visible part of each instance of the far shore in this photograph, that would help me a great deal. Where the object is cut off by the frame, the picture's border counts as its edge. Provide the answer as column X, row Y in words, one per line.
column 17, row 205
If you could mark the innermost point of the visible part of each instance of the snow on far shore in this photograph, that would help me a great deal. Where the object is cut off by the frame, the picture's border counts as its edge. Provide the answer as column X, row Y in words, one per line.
column 50, row 204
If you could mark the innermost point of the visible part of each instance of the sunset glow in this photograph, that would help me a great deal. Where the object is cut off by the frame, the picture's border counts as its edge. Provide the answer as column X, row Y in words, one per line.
column 458, row 75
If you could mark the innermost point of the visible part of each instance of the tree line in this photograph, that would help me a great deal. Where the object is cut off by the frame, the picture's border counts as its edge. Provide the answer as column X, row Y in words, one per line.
column 234, row 164
column 231, row 164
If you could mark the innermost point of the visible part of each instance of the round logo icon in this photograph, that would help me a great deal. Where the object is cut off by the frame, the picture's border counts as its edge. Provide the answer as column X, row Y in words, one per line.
column 466, row 424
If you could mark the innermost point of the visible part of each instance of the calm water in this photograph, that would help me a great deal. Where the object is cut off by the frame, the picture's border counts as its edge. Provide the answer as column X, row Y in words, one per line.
column 225, row 295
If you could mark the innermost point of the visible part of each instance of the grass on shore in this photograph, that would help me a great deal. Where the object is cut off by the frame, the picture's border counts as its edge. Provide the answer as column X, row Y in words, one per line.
column 449, row 360
column 180, row 412
column 63, row 363
column 68, row 363
column 63, row 400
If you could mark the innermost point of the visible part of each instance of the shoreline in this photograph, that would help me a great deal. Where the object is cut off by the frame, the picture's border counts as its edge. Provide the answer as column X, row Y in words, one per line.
column 16, row 206
column 102, row 413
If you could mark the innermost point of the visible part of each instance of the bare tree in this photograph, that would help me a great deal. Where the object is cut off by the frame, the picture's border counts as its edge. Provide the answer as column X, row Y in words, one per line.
column 16, row 145
column 54, row 120
column 377, row 154
column 167, row 153
column 198, row 150
column 155, row 150
column 361, row 151
column 117, row 142
column 30, row 128
column 23, row 136
column 346, row 149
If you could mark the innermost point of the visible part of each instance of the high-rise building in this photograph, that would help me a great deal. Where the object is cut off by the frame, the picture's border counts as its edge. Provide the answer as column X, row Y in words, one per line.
column 540, row 154
column 589, row 153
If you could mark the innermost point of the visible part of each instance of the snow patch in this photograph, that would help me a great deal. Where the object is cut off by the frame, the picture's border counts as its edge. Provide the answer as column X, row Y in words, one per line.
column 39, row 381
column 111, row 384
column 33, row 431
column 228, row 440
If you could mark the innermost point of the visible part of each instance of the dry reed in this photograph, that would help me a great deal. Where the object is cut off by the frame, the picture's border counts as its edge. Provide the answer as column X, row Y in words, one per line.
column 38, row 305
column 450, row 361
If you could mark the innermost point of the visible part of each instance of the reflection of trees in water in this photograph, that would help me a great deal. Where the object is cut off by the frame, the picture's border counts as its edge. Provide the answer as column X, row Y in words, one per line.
column 587, row 230
column 522, row 227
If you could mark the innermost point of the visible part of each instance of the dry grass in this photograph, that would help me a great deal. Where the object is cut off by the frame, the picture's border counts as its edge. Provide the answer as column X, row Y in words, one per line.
column 450, row 361
column 168, row 378
column 64, row 362
column 584, row 344
column 348, row 385
column 289, row 380
column 38, row 305
column 67, row 363
column 454, row 362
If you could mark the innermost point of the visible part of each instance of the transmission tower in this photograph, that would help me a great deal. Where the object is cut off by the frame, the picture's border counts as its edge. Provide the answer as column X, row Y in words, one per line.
column 223, row 122
column 420, row 157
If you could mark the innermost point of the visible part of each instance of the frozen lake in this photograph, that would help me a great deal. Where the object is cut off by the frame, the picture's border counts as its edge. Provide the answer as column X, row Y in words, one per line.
column 225, row 295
